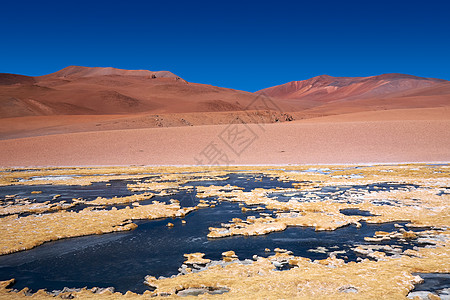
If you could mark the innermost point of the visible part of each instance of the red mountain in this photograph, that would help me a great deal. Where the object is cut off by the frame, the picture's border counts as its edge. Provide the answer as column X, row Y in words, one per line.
column 85, row 99
column 326, row 88
column 81, row 90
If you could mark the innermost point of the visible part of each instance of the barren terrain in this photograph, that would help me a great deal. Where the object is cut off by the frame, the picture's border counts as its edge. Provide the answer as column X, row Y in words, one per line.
column 106, row 116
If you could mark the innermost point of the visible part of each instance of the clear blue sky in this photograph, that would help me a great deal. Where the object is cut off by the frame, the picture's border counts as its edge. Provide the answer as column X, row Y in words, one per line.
column 247, row 45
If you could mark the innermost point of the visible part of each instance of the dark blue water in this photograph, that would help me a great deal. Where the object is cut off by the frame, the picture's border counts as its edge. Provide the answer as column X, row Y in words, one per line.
column 355, row 212
column 433, row 282
column 247, row 181
column 89, row 192
column 122, row 260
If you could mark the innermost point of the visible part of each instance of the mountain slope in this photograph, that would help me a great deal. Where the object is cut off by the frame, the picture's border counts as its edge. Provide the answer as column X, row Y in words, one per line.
column 9, row 79
column 77, row 99
column 326, row 88
column 82, row 90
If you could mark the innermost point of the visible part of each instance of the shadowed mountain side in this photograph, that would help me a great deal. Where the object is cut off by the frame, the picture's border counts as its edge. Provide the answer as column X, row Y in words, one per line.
column 8, row 79
column 435, row 96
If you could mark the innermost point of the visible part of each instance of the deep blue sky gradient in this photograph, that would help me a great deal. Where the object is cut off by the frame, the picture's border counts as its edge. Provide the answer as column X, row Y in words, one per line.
column 247, row 45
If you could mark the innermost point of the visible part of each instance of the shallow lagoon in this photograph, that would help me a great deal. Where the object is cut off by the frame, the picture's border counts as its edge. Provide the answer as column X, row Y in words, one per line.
column 122, row 260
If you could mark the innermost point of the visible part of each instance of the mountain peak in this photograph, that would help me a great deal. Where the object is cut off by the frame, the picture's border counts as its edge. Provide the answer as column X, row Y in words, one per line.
column 322, row 77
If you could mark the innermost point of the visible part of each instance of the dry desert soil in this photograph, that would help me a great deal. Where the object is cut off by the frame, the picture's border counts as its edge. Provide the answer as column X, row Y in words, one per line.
column 103, row 116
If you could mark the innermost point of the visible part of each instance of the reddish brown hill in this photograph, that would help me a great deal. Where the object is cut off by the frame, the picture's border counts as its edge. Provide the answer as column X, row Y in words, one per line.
column 81, row 90
column 326, row 88
column 78, row 99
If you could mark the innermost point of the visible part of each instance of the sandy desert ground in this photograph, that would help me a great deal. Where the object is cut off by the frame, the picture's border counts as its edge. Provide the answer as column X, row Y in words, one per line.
column 420, row 135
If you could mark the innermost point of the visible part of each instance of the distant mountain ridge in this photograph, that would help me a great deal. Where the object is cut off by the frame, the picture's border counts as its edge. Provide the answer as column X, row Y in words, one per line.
column 77, row 90
column 326, row 88
column 78, row 71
